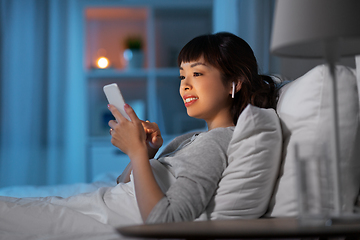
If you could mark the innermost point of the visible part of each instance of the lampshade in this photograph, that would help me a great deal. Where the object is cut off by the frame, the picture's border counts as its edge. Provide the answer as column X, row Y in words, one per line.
column 300, row 27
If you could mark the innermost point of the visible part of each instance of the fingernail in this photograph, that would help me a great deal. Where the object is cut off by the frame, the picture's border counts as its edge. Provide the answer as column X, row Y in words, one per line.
column 108, row 105
column 126, row 105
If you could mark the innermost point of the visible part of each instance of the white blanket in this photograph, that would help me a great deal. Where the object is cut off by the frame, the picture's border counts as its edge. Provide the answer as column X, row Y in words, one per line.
column 89, row 215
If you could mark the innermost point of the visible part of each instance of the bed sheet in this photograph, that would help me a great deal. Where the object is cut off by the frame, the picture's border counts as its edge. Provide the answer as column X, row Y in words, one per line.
column 64, row 190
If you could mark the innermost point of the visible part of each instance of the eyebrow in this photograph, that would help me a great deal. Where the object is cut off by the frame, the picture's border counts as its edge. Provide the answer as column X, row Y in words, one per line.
column 195, row 64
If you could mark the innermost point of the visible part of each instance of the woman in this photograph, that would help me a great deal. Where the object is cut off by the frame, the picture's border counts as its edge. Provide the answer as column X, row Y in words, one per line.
column 219, row 78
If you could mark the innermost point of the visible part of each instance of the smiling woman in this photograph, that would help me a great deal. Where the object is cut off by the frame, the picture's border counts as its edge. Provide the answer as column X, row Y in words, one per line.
column 236, row 63
column 205, row 95
column 181, row 183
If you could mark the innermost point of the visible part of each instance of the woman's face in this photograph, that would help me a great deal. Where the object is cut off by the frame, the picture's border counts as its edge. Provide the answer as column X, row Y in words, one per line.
column 204, row 93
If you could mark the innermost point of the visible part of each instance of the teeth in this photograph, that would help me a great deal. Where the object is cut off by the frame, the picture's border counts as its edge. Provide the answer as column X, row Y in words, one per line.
column 190, row 99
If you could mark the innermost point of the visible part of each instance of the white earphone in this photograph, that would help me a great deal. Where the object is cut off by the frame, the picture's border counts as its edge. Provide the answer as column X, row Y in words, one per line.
column 233, row 90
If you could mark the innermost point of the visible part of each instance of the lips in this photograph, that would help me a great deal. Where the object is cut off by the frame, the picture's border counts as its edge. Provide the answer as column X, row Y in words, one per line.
column 189, row 100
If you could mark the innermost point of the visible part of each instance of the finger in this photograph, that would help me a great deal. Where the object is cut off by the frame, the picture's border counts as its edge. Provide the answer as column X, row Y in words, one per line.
column 146, row 125
column 130, row 112
column 112, row 124
column 145, row 122
column 118, row 116
column 155, row 142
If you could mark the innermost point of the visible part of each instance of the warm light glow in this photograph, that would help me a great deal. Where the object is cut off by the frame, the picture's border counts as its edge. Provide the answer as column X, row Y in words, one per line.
column 102, row 62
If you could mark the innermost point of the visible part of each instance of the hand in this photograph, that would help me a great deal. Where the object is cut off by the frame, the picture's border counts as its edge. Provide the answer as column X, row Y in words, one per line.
column 154, row 139
column 128, row 136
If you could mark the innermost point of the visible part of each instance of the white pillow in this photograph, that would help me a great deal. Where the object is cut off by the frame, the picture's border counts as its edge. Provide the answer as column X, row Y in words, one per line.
column 304, row 109
column 254, row 155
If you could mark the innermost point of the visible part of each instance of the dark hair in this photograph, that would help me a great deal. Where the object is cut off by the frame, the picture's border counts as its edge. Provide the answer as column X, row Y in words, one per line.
column 236, row 61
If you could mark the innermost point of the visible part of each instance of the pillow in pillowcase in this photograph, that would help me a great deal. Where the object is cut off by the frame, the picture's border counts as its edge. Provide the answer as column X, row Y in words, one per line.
column 304, row 109
column 254, row 156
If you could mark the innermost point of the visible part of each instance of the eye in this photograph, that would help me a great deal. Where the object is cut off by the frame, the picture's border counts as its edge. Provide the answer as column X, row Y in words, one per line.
column 197, row 74
column 181, row 77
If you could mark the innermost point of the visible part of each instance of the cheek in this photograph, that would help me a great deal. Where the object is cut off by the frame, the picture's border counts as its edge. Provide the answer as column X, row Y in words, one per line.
column 215, row 90
column 180, row 92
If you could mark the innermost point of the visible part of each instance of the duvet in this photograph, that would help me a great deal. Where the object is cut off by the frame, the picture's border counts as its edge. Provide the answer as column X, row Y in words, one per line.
column 88, row 215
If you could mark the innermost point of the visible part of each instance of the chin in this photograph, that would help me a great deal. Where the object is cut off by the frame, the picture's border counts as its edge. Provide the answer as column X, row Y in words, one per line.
column 192, row 114
column 189, row 113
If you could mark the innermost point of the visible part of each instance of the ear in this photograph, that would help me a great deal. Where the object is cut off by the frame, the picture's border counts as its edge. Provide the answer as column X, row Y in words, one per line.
column 237, row 86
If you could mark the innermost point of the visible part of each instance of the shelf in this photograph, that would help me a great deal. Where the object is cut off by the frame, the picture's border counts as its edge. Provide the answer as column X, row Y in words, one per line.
column 112, row 73
column 133, row 73
column 167, row 72
column 108, row 31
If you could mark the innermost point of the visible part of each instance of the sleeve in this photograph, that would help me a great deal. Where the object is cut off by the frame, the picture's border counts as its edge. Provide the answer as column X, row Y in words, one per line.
column 198, row 169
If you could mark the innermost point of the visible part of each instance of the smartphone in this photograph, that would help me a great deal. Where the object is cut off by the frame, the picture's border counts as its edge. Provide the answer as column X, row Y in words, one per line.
column 114, row 97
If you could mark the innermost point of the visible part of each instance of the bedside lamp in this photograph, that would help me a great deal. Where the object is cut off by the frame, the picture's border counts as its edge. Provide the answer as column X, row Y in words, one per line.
column 319, row 29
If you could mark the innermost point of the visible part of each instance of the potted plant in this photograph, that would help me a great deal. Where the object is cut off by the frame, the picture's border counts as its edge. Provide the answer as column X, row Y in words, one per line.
column 134, row 54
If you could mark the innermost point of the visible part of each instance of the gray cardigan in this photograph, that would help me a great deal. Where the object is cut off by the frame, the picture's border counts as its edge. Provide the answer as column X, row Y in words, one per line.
column 197, row 162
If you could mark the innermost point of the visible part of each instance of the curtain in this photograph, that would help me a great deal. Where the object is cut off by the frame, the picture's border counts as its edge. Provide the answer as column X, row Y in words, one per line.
column 42, row 108
column 252, row 21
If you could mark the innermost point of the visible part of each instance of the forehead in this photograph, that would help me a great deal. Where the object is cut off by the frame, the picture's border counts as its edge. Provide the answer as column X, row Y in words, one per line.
column 201, row 61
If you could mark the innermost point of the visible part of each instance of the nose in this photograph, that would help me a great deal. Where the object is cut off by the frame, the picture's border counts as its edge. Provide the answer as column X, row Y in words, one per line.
column 185, row 85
